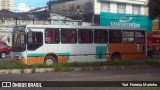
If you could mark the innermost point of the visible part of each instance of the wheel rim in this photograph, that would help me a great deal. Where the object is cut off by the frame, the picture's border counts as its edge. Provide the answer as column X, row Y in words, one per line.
column 49, row 62
column 3, row 55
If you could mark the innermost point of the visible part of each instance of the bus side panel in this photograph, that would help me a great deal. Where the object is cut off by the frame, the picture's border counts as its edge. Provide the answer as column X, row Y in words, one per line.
column 127, row 51
column 78, row 52
column 63, row 59
column 35, row 60
column 19, row 57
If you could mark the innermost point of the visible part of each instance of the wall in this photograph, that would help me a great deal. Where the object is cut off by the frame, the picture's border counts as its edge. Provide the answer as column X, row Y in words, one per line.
column 6, row 35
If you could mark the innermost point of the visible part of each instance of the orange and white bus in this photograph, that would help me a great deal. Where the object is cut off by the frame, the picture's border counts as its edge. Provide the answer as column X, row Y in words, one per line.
column 49, row 44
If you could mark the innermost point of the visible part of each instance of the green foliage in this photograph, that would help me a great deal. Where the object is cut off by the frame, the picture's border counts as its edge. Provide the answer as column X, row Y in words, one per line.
column 13, row 66
column 68, row 66
column 154, row 9
column 151, row 88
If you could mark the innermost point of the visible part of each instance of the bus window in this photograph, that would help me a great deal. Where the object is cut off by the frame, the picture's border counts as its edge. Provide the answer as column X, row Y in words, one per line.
column 140, row 37
column 18, row 41
column 115, row 36
column 85, row 36
column 100, row 36
column 52, row 36
column 68, row 36
column 128, row 36
column 35, row 40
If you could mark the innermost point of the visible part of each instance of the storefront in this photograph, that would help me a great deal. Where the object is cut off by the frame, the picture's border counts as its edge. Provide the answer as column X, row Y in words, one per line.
column 125, row 21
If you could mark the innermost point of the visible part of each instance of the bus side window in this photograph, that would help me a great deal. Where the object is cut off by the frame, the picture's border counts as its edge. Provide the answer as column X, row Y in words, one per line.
column 68, row 36
column 85, row 36
column 140, row 37
column 115, row 36
column 100, row 36
column 35, row 40
column 52, row 36
column 128, row 37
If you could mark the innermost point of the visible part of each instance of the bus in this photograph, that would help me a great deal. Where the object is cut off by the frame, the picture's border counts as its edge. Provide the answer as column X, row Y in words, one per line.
column 50, row 44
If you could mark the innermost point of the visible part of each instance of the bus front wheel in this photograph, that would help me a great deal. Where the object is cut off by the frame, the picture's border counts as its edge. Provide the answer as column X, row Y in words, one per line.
column 49, row 60
column 116, row 57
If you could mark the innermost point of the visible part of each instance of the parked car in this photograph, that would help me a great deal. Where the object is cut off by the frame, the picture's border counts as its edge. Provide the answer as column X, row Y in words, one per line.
column 4, row 49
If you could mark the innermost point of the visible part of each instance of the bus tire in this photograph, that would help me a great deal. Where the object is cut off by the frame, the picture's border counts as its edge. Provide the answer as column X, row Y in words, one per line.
column 49, row 60
column 116, row 57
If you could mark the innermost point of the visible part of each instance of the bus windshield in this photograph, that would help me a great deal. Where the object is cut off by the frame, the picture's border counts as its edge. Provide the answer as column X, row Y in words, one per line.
column 18, row 40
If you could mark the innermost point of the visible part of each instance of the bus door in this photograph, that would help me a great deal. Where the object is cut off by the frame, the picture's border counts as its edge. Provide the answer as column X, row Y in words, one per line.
column 35, row 53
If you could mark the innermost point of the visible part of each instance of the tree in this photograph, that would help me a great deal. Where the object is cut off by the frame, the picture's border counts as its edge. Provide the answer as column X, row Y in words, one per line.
column 154, row 9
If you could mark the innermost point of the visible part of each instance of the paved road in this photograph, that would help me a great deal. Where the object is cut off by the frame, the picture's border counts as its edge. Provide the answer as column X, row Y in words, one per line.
column 142, row 74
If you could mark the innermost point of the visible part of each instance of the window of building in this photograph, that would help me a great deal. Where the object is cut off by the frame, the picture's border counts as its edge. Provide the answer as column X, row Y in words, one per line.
column 140, row 36
column 136, row 9
column 121, row 8
column 101, row 36
column 68, row 36
column 105, row 6
column 115, row 36
column 85, row 36
column 128, row 36
column 52, row 36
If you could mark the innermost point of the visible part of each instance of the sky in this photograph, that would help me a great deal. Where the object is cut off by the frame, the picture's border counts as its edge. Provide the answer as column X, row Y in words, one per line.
column 26, row 5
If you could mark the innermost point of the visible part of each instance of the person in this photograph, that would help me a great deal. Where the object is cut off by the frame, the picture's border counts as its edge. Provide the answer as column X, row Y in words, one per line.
column 150, row 51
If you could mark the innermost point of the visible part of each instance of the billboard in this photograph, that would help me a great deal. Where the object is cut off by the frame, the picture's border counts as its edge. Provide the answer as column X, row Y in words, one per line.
column 125, row 20
column 72, row 7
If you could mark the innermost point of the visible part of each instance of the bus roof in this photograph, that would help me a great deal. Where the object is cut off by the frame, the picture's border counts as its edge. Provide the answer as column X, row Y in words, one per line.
column 80, row 27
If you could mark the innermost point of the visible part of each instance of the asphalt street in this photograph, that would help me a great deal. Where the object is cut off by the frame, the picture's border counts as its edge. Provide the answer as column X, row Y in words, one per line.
column 140, row 74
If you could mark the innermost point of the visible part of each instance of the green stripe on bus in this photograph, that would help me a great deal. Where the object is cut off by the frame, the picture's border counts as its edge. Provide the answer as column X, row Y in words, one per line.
column 64, row 54
column 36, row 54
column 43, row 54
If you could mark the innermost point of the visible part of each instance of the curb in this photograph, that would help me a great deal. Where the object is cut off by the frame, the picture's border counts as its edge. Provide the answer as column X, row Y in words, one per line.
column 74, row 69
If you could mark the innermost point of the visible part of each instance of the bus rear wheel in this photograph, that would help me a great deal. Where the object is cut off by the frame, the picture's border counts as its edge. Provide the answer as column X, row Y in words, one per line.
column 116, row 57
column 49, row 60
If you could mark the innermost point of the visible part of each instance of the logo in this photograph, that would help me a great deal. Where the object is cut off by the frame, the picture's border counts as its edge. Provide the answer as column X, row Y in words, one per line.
column 125, row 19
column 6, row 84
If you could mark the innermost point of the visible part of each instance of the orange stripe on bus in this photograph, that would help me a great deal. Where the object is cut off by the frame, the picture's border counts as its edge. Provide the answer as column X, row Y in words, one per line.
column 127, row 51
column 62, row 59
column 35, row 60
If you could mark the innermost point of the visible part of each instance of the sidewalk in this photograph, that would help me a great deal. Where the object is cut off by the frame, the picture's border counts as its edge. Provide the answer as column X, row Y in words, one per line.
column 75, row 69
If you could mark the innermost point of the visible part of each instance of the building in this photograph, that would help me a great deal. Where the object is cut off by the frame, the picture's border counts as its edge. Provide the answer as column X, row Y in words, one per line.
column 89, row 10
column 9, row 19
column 7, row 4
column 146, row 8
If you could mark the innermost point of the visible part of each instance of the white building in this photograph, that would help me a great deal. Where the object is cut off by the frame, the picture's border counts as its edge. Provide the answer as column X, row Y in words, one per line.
column 7, row 4
column 89, row 10
column 120, row 6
